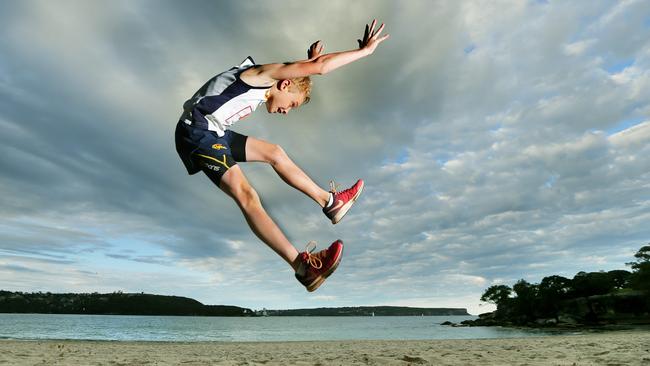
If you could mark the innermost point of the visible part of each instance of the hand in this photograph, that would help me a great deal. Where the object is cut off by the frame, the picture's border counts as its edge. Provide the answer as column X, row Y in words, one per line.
column 315, row 50
column 371, row 37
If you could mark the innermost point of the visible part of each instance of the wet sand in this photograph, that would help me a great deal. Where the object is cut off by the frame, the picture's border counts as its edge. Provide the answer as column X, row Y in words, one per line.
column 609, row 348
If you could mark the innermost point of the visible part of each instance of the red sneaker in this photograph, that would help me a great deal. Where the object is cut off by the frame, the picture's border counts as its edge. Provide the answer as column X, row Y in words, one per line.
column 342, row 201
column 315, row 268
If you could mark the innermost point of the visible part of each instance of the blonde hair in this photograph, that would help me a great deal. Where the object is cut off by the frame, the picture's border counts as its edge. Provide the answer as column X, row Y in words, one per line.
column 304, row 85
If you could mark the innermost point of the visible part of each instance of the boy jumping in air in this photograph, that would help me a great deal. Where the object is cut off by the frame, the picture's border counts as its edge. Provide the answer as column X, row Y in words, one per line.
column 205, row 143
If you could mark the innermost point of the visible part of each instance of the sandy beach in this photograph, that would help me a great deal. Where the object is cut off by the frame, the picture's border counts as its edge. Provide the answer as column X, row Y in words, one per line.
column 610, row 348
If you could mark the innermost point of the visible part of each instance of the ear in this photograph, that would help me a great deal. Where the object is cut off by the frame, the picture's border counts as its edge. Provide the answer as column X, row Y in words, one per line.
column 283, row 84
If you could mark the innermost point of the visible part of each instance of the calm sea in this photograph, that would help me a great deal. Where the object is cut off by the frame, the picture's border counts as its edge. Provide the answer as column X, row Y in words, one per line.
column 177, row 328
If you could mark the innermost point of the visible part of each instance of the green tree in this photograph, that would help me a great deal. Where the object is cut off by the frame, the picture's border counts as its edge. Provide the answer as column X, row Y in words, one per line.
column 524, row 289
column 641, row 269
column 642, row 256
column 526, row 299
column 591, row 283
column 620, row 278
column 555, row 286
column 552, row 290
column 496, row 294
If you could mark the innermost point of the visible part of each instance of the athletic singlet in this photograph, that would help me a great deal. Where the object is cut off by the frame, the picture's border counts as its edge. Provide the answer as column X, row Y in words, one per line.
column 223, row 100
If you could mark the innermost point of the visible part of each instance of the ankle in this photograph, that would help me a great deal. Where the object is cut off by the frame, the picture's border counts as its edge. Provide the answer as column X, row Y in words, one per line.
column 295, row 263
column 327, row 199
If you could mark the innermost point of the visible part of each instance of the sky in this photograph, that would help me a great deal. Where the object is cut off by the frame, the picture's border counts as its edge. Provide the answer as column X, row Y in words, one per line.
column 498, row 141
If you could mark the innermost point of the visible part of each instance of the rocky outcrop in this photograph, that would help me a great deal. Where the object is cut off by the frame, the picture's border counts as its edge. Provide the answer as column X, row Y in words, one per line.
column 622, row 308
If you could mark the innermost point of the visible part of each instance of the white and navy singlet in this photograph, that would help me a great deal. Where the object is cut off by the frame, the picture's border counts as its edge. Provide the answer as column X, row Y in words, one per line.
column 223, row 100
column 204, row 141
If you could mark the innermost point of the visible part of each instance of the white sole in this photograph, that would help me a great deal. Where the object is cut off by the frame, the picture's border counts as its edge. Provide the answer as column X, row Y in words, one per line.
column 347, row 206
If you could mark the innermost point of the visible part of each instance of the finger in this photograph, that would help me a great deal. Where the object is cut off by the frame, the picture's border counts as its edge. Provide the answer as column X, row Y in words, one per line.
column 379, row 30
column 383, row 38
column 372, row 26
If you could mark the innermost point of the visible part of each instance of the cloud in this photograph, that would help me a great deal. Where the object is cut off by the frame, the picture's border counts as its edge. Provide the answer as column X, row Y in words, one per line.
column 489, row 137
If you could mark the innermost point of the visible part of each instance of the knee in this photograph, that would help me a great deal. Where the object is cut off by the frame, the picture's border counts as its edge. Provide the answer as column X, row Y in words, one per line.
column 245, row 195
column 276, row 155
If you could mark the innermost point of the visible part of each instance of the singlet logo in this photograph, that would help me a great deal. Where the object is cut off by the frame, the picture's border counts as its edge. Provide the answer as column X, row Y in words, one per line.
column 243, row 113
column 219, row 147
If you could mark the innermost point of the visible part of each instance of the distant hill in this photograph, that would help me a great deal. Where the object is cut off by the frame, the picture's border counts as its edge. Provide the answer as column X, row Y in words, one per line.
column 369, row 311
column 116, row 303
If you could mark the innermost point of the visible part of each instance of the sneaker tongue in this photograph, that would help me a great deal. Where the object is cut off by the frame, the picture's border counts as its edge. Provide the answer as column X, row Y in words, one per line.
column 302, row 267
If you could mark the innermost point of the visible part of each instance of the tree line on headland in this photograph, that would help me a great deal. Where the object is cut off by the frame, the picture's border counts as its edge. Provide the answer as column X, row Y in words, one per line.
column 117, row 303
column 589, row 298
column 369, row 311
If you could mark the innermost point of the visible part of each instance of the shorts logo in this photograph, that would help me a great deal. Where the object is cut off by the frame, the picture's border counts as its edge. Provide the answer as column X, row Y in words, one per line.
column 219, row 147
column 211, row 167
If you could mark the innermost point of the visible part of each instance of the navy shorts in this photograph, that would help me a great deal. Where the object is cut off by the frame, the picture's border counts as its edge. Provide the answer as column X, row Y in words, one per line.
column 204, row 150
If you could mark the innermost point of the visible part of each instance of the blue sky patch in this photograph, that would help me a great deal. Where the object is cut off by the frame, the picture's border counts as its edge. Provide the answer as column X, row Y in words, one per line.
column 401, row 157
column 550, row 182
column 619, row 66
column 623, row 125
column 496, row 127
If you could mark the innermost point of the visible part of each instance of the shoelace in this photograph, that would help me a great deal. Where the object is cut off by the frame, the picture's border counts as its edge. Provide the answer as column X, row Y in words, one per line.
column 334, row 187
column 312, row 259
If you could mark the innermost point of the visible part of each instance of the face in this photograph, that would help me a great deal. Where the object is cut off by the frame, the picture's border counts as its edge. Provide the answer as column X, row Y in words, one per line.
column 283, row 98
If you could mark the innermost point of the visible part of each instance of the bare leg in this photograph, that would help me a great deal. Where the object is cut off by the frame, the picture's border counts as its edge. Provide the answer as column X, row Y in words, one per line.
column 235, row 184
column 258, row 150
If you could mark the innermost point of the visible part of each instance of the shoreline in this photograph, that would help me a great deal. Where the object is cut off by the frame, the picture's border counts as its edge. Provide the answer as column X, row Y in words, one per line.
column 543, row 333
column 609, row 347
column 532, row 332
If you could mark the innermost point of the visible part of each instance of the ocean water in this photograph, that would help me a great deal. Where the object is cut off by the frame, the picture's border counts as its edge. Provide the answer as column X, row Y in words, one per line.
column 194, row 329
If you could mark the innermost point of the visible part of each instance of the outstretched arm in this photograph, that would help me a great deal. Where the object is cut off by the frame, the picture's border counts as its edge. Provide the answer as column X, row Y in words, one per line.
column 317, row 64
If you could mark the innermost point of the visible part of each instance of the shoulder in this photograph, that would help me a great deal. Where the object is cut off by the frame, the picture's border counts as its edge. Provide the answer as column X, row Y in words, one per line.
column 259, row 75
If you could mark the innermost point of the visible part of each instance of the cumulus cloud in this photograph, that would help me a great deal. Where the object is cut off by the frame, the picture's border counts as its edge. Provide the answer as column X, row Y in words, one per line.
column 498, row 141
